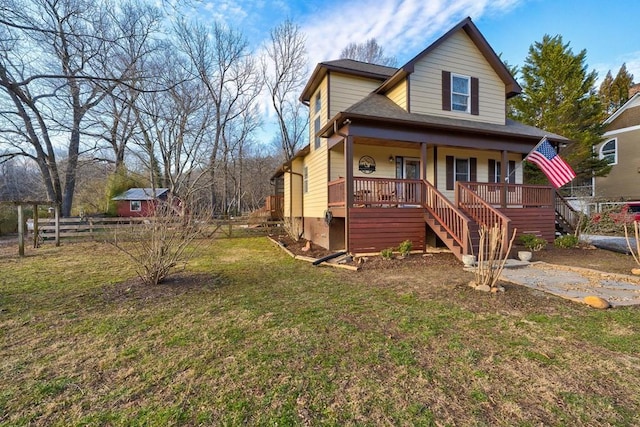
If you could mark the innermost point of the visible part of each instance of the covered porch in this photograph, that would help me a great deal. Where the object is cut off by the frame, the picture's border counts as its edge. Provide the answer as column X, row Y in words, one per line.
column 381, row 209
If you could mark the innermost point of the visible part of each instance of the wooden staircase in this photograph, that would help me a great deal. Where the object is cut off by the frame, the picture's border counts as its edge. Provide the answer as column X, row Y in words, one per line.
column 457, row 224
column 567, row 217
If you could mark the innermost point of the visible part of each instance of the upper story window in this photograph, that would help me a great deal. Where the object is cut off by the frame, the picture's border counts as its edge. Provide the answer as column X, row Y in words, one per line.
column 318, row 103
column 609, row 151
column 316, row 123
column 460, row 93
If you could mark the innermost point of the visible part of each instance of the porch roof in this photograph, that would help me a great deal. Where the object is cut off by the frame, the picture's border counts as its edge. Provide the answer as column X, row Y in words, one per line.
column 381, row 109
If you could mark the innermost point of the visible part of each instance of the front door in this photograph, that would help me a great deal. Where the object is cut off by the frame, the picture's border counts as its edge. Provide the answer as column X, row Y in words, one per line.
column 409, row 168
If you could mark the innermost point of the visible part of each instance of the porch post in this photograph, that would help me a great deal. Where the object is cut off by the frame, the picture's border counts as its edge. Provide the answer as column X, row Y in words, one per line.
column 423, row 161
column 423, row 172
column 504, row 173
column 348, row 185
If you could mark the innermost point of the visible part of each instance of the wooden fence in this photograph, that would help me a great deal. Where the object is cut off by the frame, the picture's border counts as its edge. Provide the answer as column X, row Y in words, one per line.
column 100, row 228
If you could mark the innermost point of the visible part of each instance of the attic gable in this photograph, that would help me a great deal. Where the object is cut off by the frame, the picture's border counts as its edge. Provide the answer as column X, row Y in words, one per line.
column 512, row 88
column 345, row 66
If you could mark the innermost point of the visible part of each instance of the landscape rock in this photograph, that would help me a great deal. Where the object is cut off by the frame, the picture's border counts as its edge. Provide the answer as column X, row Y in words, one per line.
column 635, row 271
column 596, row 302
column 483, row 288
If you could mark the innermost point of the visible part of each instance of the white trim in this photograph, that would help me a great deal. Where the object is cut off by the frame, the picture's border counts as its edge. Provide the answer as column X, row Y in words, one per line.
column 617, row 131
column 468, row 94
column 622, row 109
column 131, row 202
column 615, row 150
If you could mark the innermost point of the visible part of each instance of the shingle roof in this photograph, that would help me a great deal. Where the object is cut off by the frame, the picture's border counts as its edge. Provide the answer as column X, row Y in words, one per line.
column 347, row 66
column 141, row 194
column 381, row 108
column 363, row 67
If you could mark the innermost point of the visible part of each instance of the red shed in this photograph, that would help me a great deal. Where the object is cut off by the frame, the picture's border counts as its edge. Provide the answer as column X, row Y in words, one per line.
column 139, row 201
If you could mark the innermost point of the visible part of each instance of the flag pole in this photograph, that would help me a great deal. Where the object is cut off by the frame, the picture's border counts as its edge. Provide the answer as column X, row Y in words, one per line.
column 544, row 138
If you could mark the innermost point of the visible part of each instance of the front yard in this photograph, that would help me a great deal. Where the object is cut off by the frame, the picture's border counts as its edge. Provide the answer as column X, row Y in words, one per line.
column 250, row 336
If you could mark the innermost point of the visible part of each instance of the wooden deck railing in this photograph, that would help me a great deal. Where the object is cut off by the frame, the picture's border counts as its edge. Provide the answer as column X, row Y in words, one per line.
column 337, row 192
column 377, row 192
column 479, row 210
column 566, row 212
column 275, row 205
column 513, row 195
column 445, row 212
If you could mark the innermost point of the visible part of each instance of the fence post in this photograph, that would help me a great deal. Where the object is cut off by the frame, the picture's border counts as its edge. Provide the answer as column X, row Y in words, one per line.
column 57, row 213
column 20, row 231
column 35, row 226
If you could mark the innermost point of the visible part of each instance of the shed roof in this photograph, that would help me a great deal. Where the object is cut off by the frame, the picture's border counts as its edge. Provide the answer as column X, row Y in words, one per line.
column 141, row 194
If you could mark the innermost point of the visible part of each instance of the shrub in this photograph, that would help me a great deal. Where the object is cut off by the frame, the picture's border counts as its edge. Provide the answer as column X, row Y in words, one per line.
column 405, row 247
column 566, row 242
column 533, row 242
column 386, row 253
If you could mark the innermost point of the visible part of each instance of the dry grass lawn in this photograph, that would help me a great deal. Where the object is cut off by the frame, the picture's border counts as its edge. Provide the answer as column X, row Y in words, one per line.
column 248, row 335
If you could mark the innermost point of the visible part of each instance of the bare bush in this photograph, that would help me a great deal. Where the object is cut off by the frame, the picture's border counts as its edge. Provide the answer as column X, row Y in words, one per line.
column 636, row 253
column 492, row 254
column 163, row 242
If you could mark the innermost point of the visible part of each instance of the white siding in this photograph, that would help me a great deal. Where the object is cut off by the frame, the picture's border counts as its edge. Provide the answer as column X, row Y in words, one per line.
column 459, row 55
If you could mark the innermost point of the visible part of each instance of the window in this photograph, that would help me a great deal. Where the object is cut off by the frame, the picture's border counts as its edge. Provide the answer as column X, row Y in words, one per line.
column 609, row 151
column 316, row 123
column 495, row 171
column 460, row 91
column 316, row 128
column 135, row 206
column 305, row 179
column 461, row 170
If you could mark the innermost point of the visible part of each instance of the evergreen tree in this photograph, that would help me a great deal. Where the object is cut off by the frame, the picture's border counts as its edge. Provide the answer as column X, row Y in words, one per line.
column 615, row 92
column 559, row 96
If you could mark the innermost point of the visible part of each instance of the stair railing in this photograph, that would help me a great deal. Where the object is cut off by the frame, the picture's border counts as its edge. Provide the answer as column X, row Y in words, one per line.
column 444, row 211
column 566, row 212
column 480, row 211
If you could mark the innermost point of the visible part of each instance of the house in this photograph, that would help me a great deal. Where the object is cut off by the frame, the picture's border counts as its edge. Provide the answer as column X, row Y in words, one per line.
column 139, row 201
column 621, row 146
column 423, row 152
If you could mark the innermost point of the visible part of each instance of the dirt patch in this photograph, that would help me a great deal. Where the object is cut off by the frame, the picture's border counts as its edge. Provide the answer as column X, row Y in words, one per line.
column 174, row 285
column 585, row 256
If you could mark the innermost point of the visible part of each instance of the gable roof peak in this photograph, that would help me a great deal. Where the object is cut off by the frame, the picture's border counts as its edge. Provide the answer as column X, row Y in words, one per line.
column 512, row 88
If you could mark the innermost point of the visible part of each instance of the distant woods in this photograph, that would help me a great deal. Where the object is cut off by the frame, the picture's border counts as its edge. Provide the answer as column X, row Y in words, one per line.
column 89, row 91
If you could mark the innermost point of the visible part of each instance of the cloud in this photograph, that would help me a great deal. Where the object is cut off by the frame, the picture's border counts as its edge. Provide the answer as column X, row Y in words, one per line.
column 631, row 59
column 402, row 27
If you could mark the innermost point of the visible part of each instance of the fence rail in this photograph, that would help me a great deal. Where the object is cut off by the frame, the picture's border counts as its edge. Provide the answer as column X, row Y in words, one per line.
column 99, row 228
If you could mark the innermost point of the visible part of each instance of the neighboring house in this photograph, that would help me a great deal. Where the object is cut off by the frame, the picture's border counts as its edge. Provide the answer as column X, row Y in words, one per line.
column 621, row 146
column 139, row 201
column 423, row 152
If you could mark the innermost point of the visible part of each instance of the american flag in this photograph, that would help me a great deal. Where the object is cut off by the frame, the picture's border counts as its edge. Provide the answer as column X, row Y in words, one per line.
column 557, row 170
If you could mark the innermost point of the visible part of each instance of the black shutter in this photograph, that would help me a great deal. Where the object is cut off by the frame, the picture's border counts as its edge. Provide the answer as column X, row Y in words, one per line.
column 475, row 102
column 473, row 169
column 446, row 90
column 512, row 172
column 492, row 171
column 449, row 172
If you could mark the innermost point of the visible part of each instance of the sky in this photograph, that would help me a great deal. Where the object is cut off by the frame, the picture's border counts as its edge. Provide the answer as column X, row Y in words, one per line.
column 607, row 30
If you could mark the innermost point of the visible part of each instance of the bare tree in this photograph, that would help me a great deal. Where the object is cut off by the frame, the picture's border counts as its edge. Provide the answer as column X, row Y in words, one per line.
column 285, row 68
column 369, row 51
column 221, row 60
column 58, row 60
